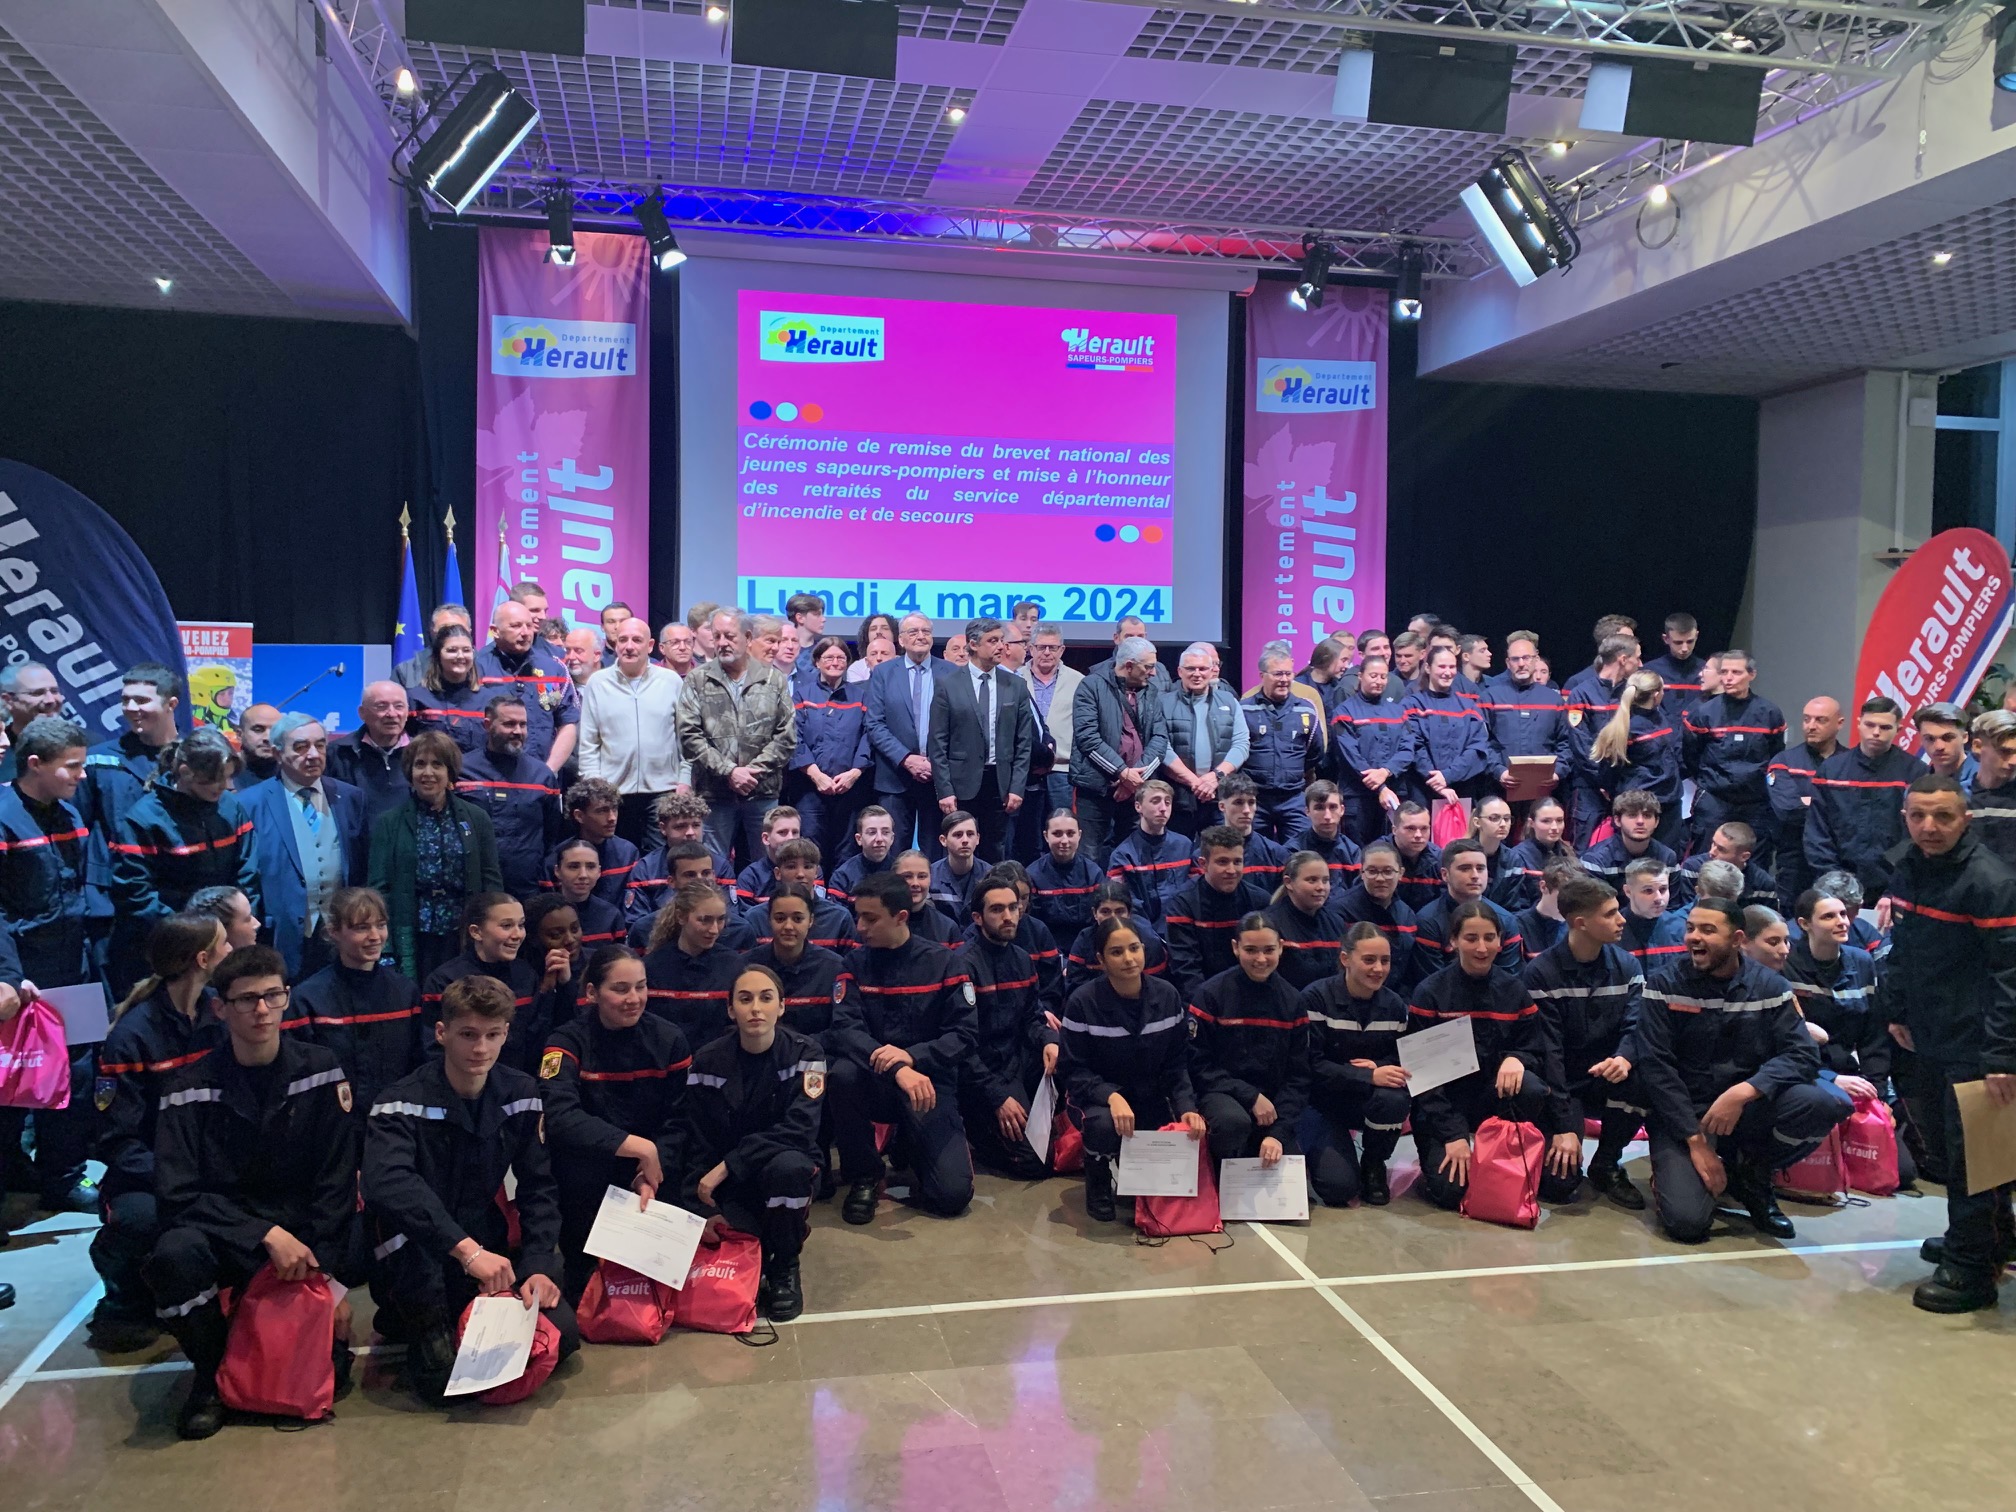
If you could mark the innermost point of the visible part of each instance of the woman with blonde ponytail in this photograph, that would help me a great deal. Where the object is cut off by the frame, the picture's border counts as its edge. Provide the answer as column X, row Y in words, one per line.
column 1644, row 746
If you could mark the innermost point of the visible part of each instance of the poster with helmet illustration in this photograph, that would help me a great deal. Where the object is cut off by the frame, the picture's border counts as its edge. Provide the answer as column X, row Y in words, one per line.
column 219, row 657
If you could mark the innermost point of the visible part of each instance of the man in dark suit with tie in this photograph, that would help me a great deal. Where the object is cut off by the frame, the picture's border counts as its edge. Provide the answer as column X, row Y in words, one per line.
column 983, row 734
column 310, row 837
column 900, row 695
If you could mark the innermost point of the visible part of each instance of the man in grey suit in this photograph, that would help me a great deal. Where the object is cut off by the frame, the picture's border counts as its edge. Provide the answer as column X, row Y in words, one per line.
column 983, row 733
column 900, row 694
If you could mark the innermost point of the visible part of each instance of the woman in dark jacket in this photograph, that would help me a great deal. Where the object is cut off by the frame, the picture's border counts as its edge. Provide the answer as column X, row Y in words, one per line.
column 430, row 855
column 831, row 758
column 451, row 695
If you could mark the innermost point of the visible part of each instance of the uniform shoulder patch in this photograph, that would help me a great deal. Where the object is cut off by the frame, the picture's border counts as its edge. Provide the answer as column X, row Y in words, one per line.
column 345, row 1099
column 815, row 1084
column 1193, row 1025
column 1575, row 715
column 971, row 997
column 549, row 1065
column 103, row 1090
column 839, row 989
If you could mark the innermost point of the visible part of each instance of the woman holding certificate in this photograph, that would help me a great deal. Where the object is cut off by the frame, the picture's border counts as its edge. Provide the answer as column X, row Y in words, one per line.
column 1506, row 1024
column 1126, row 1057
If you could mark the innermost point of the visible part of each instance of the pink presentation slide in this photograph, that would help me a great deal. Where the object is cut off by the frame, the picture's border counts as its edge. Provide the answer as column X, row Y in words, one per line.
column 918, row 456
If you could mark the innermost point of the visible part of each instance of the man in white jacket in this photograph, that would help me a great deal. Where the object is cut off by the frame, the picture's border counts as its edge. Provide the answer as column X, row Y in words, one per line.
column 626, row 730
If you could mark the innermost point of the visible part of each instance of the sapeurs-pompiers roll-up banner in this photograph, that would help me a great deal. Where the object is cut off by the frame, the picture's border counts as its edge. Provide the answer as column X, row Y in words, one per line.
column 1937, row 626
column 1315, row 517
column 563, row 422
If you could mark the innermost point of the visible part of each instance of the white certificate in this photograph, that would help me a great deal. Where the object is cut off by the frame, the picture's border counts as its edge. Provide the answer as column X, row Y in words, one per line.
column 1158, row 1163
column 1042, row 1113
column 1249, row 1190
column 1434, row 1057
column 86, row 1019
column 658, row 1242
column 495, row 1346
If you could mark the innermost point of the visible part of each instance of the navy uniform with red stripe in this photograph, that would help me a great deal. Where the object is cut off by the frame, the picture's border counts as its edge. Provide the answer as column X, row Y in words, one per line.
column 1082, row 966
column 1263, row 861
column 166, row 848
column 920, row 998
column 651, row 886
column 1539, row 932
column 1607, row 859
column 1730, row 744
column 1248, row 1041
column 1591, row 702
column 1529, row 720
column 1309, row 942
column 1137, row 1047
column 1759, row 887
column 1588, row 1014
column 369, row 1020
column 1036, row 941
column 619, row 859
column 1698, row 1036
column 1839, row 996
column 1652, row 765
column 1007, row 1058
column 1342, row 1031
column 1339, row 852
column 1682, row 678
column 434, row 1166
column 1655, row 942
column 844, row 878
column 1506, row 1022
column 1788, row 784
column 1203, row 926
column 457, row 713
column 1421, row 877
column 116, row 774
column 535, row 1011
column 692, row 990
column 539, row 682
column 1434, row 948
column 522, row 798
column 1289, row 745
column 1371, row 735
column 240, row 1150
column 601, row 1086
column 833, row 736
column 1858, row 814
column 602, row 923
column 1991, row 813
column 758, row 1115
column 1061, row 896
column 832, row 926
column 952, row 893
column 1451, row 737
column 1519, row 875
column 1395, row 920
column 814, row 985
column 1154, row 868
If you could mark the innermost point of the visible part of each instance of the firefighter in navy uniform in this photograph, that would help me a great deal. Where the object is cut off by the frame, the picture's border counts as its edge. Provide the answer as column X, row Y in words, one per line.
column 255, row 1164
column 1203, row 918
column 1730, row 742
column 1288, row 745
column 614, row 1081
column 436, row 1148
column 359, row 1009
column 1858, row 800
column 899, row 1055
column 116, row 773
column 751, row 1133
column 1788, row 784
column 1249, row 1051
column 1948, row 991
column 1015, row 1047
column 518, row 791
column 1355, row 1077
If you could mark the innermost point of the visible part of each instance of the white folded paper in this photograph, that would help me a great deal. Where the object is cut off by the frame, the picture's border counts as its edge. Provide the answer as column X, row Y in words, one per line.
column 86, row 1018
column 1260, row 1194
column 495, row 1346
column 1042, row 1113
column 1158, row 1163
column 1435, row 1057
column 658, row 1242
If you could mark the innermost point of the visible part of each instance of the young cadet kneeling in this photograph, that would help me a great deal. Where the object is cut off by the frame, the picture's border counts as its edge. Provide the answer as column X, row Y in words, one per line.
column 435, row 1152
column 1356, row 1080
column 1249, row 1056
column 751, row 1133
column 614, row 1081
column 1015, row 1046
column 1126, row 1057
column 255, row 1162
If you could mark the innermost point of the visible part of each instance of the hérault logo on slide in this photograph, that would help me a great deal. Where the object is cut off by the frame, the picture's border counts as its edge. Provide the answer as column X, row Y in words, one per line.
column 791, row 337
column 534, row 348
column 1301, row 386
column 1105, row 352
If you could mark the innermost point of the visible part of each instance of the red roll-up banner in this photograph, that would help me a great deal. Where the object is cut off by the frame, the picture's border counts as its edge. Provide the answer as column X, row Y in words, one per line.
column 1937, row 626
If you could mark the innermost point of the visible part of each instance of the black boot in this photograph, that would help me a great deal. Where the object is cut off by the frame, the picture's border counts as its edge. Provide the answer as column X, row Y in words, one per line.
column 1610, row 1180
column 342, row 1360
column 430, row 1359
column 202, row 1333
column 1372, row 1184
column 1952, row 1291
column 859, row 1206
column 787, row 1295
column 1099, row 1189
column 203, row 1414
column 112, row 1332
column 1750, row 1185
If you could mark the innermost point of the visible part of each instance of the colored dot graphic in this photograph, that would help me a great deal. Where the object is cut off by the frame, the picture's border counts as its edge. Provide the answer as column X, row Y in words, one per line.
column 785, row 410
column 1128, row 534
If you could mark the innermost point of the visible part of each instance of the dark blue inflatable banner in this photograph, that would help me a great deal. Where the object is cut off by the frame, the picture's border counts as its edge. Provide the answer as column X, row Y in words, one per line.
column 77, row 596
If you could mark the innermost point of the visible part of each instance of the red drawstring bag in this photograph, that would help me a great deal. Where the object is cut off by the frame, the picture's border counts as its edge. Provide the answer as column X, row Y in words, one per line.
column 1820, row 1176
column 720, row 1291
column 1451, row 821
column 1505, row 1174
column 1869, row 1148
column 1067, row 1146
column 1605, row 828
column 1168, row 1217
column 277, row 1355
column 514, row 1234
column 538, row 1365
column 622, row 1307
column 34, row 1059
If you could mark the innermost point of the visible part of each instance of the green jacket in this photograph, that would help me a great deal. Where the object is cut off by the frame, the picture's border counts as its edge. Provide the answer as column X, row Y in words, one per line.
column 716, row 734
column 395, row 868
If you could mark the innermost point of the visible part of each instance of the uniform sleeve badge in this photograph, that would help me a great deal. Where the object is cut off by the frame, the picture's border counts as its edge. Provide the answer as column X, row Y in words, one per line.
column 971, row 997
column 542, row 1128
column 344, row 1097
column 839, row 989
column 815, row 1084
column 1575, row 716
column 549, row 1065
column 103, row 1090
column 1193, row 1026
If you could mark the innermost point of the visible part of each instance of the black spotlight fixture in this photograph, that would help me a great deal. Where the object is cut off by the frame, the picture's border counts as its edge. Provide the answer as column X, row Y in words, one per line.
column 473, row 141
column 560, row 227
column 1317, row 255
column 1525, row 225
column 2005, row 48
column 658, row 235
column 1407, row 285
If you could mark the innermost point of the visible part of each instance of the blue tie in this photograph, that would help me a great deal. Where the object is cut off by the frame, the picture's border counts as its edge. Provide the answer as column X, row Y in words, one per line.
column 307, row 796
column 921, row 696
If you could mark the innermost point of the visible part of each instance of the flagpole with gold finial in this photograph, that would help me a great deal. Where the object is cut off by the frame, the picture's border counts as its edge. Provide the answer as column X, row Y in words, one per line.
column 405, row 522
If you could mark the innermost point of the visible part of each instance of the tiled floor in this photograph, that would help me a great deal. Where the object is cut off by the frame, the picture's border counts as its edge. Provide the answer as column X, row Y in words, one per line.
column 1406, row 1360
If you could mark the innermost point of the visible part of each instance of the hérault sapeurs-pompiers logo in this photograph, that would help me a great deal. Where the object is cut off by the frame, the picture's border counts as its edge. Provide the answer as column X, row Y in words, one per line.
column 1301, row 386
column 532, row 348
column 787, row 336
column 1105, row 352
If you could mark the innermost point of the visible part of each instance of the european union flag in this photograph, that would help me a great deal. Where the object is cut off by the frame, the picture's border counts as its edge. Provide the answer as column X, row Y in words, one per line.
column 409, row 634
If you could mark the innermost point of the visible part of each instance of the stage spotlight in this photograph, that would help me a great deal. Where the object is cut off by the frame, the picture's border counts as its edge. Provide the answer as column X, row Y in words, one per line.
column 164, row 284
column 1407, row 286
column 658, row 233
column 1521, row 220
column 1317, row 255
column 405, row 83
column 472, row 142
column 560, row 227
column 2005, row 48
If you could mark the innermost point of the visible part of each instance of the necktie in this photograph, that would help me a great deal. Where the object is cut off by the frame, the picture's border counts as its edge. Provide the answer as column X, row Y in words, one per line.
column 920, row 695
column 314, row 815
column 987, row 712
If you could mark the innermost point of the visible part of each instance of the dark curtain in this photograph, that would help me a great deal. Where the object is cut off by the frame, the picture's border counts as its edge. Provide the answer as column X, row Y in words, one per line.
column 444, row 314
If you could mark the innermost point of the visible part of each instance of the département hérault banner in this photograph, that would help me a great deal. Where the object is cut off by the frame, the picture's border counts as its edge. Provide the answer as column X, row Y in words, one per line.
column 563, row 422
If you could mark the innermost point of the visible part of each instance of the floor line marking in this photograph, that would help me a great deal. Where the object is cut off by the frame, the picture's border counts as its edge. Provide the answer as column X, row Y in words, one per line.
column 32, row 1361
column 1062, row 1299
column 1457, row 1417
column 103, row 1372
column 1635, row 1262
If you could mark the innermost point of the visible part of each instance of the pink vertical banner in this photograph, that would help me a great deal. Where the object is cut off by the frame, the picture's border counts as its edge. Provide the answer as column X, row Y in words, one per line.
column 1315, row 518
column 563, row 422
